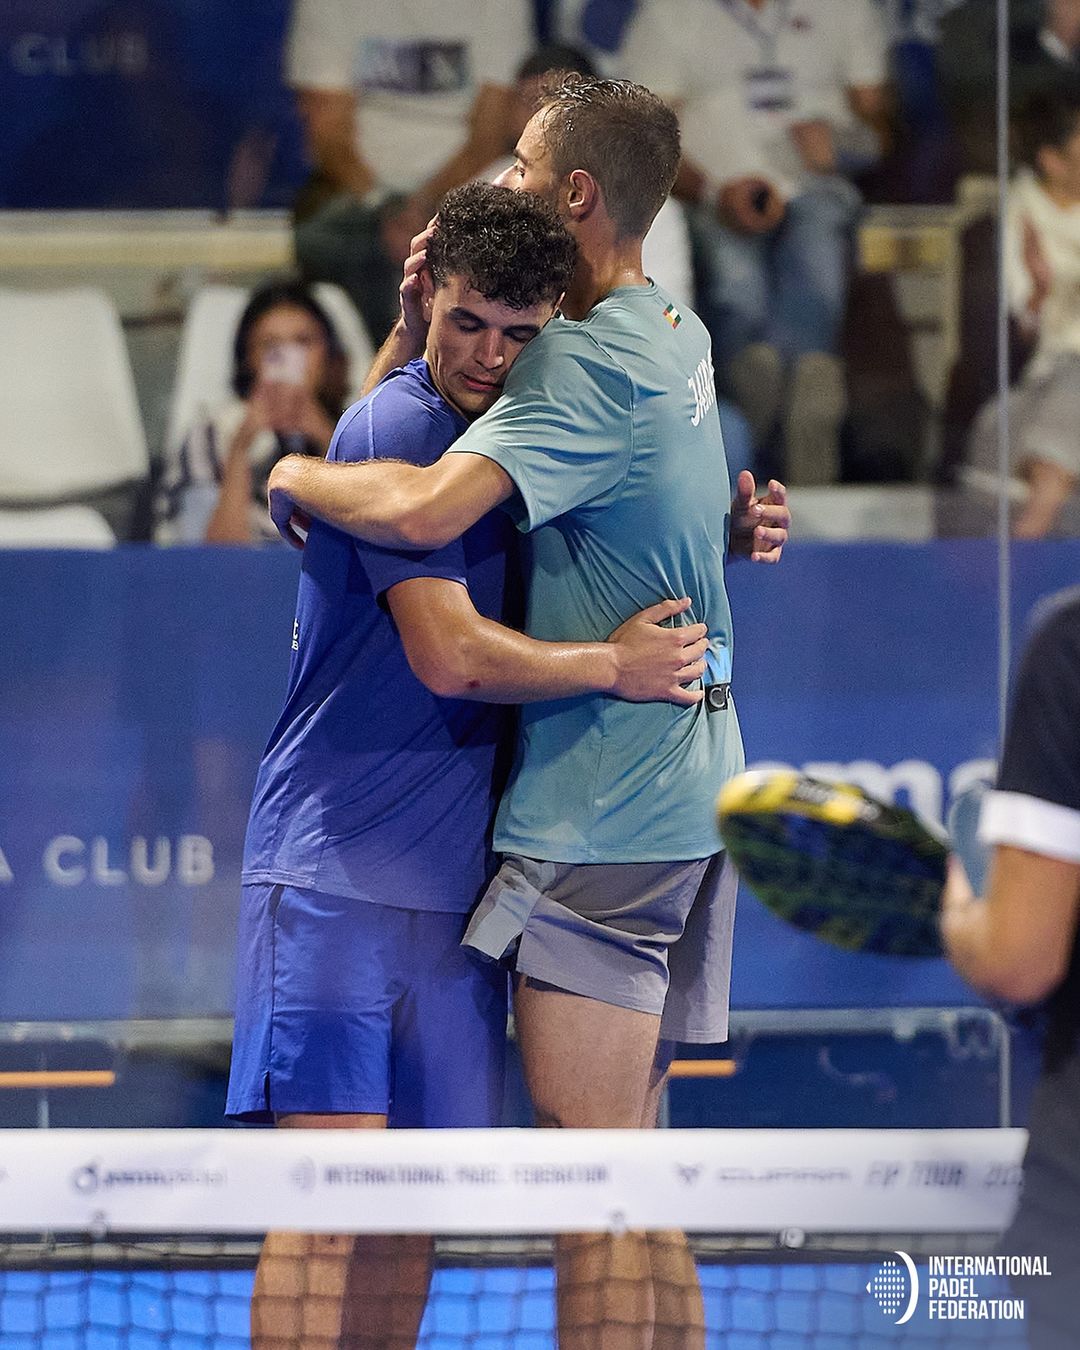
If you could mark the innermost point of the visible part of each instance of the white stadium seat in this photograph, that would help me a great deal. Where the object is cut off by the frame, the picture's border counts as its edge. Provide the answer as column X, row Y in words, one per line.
column 55, row 527
column 71, row 424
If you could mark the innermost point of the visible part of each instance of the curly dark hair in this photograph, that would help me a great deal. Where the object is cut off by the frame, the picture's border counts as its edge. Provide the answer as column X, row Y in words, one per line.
column 510, row 246
column 622, row 134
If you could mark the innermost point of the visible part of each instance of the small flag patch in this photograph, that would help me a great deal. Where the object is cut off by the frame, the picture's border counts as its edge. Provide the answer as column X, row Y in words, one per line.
column 673, row 316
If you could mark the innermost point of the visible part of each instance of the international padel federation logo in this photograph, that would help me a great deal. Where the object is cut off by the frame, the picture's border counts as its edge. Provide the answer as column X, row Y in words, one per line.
column 895, row 1287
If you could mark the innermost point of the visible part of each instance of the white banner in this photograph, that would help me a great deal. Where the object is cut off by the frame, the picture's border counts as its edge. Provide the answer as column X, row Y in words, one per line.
column 509, row 1181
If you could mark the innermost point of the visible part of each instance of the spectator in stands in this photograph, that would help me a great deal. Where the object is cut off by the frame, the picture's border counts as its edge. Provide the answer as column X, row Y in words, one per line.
column 1042, row 277
column 777, row 101
column 400, row 103
column 924, row 161
column 666, row 252
column 290, row 376
column 1044, row 44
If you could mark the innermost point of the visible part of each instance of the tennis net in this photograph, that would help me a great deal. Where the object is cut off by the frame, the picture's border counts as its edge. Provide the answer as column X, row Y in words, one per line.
column 802, row 1240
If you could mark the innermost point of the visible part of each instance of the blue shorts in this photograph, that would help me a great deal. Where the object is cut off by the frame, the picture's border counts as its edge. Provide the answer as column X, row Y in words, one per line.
column 347, row 1006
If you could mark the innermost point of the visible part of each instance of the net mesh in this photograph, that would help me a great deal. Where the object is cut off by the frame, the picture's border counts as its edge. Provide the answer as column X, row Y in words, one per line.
column 185, row 1294
column 96, row 1285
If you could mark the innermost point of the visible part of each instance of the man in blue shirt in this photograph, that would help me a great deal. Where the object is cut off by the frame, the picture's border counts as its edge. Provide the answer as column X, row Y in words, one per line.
column 369, row 832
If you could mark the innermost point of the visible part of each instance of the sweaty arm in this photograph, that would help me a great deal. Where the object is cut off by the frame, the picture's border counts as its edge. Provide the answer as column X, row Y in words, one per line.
column 458, row 653
column 388, row 502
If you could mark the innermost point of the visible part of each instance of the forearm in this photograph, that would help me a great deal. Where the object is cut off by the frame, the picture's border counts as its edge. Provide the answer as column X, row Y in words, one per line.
column 493, row 664
column 329, row 123
column 376, row 500
column 966, row 933
column 1015, row 943
column 486, row 142
column 231, row 520
column 400, row 347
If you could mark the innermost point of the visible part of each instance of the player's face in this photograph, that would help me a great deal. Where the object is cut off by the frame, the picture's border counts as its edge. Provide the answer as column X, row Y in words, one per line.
column 472, row 342
column 532, row 170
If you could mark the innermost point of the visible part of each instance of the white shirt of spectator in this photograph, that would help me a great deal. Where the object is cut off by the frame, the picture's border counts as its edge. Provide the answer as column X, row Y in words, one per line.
column 415, row 68
column 191, row 480
column 1058, row 228
column 711, row 58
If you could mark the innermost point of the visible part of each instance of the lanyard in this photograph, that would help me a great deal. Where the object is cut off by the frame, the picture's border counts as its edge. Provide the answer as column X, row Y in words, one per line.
column 750, row 22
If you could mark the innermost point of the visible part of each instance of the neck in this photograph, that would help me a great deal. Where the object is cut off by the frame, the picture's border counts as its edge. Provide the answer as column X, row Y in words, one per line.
column 601, row 270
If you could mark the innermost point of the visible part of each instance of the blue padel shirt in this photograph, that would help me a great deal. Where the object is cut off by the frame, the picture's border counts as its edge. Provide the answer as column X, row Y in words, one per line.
column 610, row 431
column 371, row 787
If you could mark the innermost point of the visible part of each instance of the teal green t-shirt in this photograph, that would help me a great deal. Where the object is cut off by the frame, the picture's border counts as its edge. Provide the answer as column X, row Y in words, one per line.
column 609, row 429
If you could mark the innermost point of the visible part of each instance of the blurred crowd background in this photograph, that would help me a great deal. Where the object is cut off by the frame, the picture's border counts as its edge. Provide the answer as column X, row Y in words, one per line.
column 204, row 210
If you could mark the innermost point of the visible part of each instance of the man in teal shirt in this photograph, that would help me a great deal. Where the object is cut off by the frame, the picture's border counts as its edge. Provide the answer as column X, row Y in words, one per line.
column 606, row 449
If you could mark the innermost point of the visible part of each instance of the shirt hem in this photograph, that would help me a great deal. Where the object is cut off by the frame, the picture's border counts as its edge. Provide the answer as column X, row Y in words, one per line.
column 547, row 852
column 276, row 877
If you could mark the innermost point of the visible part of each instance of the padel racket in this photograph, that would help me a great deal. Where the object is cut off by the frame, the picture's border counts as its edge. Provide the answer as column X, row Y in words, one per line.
column 832, row 860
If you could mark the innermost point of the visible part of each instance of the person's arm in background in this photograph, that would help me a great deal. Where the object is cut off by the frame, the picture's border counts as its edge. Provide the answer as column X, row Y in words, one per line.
column 1015, row 943
column 489, row 129
column 864, row 58
column 664, row 60
column 328, row 117
column 458, row 653
column 500, row 37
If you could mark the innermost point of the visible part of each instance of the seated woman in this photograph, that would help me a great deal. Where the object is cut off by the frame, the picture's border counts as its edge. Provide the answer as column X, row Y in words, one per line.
column 1042, row 279
column 290, row 376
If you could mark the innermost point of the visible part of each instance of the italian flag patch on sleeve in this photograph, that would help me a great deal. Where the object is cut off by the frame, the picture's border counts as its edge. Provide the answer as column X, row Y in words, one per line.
column 673, row 316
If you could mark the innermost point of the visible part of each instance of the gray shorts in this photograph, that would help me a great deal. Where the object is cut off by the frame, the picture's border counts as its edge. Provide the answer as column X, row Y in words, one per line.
column 655, row 937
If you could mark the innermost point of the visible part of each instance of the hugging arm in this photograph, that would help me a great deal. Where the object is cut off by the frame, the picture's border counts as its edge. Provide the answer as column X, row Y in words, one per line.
column 458, row 653
column 387, row 502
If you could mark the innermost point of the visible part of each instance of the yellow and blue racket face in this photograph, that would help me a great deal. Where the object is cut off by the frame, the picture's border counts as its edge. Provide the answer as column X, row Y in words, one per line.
column 828, row 858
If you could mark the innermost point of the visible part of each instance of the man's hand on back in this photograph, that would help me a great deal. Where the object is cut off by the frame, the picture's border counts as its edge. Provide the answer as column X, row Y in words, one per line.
column 759, row 525
column 655, row 662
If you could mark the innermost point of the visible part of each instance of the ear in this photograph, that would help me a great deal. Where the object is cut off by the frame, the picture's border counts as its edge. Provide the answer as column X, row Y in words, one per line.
column 427, row 294
column 582, row 195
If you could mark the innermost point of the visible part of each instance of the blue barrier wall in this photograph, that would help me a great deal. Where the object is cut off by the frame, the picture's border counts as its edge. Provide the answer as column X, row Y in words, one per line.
column 137, row 688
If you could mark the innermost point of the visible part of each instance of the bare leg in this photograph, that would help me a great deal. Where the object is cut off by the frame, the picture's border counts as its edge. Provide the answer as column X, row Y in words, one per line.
column 679, row 1310
column 327, row 1291
column 1051, row 486
column 587, row 1065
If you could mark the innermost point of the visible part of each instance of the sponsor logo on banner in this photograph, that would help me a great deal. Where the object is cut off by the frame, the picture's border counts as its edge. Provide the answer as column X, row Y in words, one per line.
column 784, row 1176
column 954, row 1288
column 306, row 1175
column 942, row 1174
column 67, row 860
column 689, row 1173
column 95, row 1177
